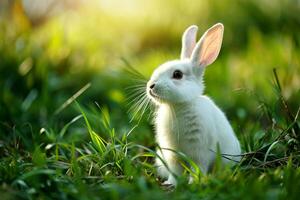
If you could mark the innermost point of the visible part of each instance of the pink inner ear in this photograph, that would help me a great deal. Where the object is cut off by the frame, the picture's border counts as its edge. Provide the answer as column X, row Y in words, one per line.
column 208, row 48
column 208, row 58
column 211, row 48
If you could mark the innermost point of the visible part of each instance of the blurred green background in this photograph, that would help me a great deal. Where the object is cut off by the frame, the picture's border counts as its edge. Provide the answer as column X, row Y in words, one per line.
column 49, row 50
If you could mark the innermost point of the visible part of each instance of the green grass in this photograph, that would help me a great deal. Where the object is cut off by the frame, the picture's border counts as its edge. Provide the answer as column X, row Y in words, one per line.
column 66, row 127
column 109, row 164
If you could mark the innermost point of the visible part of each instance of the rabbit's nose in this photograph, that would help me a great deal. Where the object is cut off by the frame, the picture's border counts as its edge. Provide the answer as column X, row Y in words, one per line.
column 152, row 86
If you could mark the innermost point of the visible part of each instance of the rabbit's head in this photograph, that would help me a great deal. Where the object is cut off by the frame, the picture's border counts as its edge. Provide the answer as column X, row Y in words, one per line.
column 180, row 81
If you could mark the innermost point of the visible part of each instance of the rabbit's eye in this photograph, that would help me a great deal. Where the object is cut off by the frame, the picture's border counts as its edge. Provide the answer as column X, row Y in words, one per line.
column 177, row 74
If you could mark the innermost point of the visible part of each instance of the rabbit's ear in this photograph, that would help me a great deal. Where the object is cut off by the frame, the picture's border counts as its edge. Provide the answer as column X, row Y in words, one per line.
column 188, row 41
column 208, row 47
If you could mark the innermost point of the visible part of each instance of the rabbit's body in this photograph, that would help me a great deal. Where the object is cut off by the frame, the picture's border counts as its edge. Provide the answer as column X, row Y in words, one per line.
column 186, row 120
column 195, row 128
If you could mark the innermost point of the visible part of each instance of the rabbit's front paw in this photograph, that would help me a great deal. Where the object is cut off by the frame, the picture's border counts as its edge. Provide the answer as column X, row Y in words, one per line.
column 170, row 182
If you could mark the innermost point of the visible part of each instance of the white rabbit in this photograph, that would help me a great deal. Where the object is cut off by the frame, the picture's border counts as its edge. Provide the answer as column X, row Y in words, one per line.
column 186, row 120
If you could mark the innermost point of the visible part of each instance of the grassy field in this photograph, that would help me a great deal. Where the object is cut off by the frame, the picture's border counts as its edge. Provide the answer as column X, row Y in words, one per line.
column 66, row 127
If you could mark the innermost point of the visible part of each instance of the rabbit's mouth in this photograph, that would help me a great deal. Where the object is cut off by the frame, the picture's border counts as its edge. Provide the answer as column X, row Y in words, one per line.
column 156, row 98
column 154, row 95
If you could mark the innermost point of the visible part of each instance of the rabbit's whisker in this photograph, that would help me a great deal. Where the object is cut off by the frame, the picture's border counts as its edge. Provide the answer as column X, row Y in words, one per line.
column 135, row 97
column 140, row 105
column 136, row 105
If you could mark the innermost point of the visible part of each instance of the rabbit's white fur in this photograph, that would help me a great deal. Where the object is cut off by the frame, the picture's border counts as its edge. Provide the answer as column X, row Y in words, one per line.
column 186, row 120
